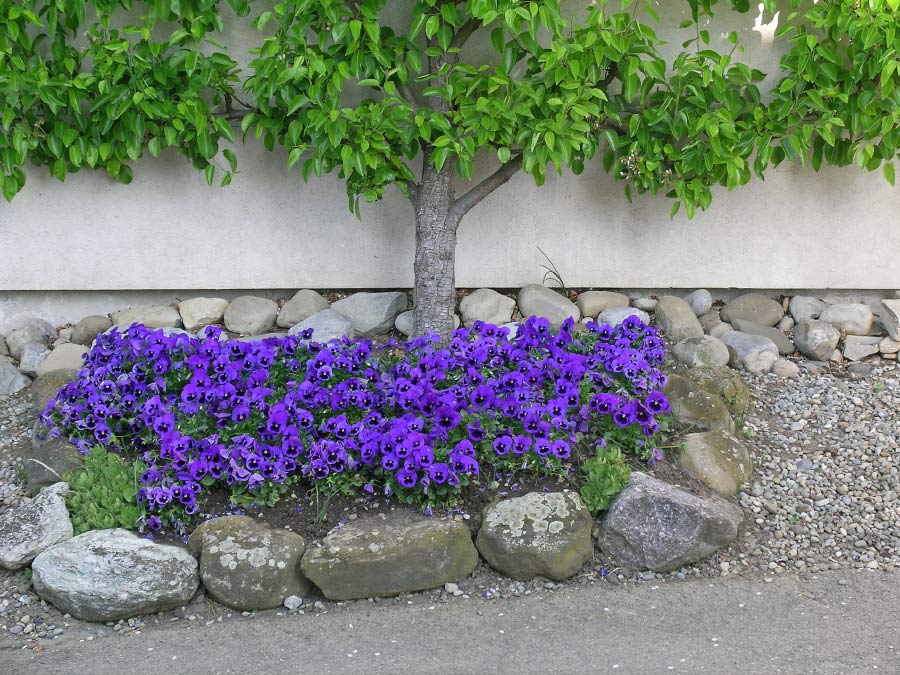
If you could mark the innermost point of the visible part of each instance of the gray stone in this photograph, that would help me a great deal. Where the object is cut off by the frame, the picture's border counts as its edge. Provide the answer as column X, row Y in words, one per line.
column 539, row 534
column 852, row 318
column 405, row 322
column 371, row 557
column 700, row 301
column 889, row 346
column 246, row 565
column 591, row 303
column 616, row 315
column 858, row 347
column 250, row 315
column 68, row 356
column 198, row 313
column 4, row 350
column 34, row 527
column 326, row 325
column 816, row 339
column 717, row 458
column 786, row 369
column 676, row 319
column 260, row 338
column 720, row 329
column 89, row 328
column 372, row 313
column 46, row 386
column 890, row 317
column 753, row 353
column 724, row 383
column 753, row 307
column 804, row 307
column 31, row 357
column 782, row 341
column 537, row 300
column 710, row 319
column 48, row 463
column 30, row 331
column 786, row 323
column 701, row 351
column 695, row 406
column 303, row 305
column 486, row 305
column 645, row 304
column 105, row 575
column 11, row 378
column 151, row 316
column 657, row 526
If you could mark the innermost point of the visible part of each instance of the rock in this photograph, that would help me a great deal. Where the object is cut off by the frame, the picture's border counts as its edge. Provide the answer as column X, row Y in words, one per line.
column 786, row 369
column 701, row 351
column 539, row 534
column 31, row 357
column 4, row 350
column 889, row 346
column 198, row 313
column 676, row 319
column 372, row 313
column 782, row 341
column 657, row 526
column 151, row 316
column 537, row 300
column 753, row 307
column 46, row 386
column 717, row 458
column 48, row 463
column 816, row 339
column 852, row 318
column 405, row 322
column 645, row 304
column 371, row 557
column 803, row 308
column 786, row 323
column 326, row 325
column 591, row 303
column 890, row 317
column 724, row 383
column 246, row 565
column 695, row 406
column 259, row 338
column 89, row 328
column 753, row 353
column 486, row 305
column 710, row 319
column 616, row 315
column 720, row 329
column 250, row 315
column 836, row 356
column 105, row 575
column 32, row 331
column 303, row 305
column 34, row 527
column 858, row 347
column 700, row 301
column 11, row 378
column 292, row 603
column 67, row 356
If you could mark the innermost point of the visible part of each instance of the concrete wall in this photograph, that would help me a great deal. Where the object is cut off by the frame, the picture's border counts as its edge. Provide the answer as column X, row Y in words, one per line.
column 269, row 230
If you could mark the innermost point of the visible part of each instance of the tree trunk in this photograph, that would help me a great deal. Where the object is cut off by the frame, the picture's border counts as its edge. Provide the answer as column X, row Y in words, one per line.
column 435, row 263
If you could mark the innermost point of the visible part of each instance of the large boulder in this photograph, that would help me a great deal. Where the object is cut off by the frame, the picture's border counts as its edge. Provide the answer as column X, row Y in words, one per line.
column 404, row 552
column 246, row 565
column 701, row 351
column 816, row 339
column 33, row 527
column 326, row 325
column 753, row 307
column 250, row 315
column 11, row 378
column 657, row 526
column 371, row 313
column 47, row 386
column 753, row 353
column 852, row 318
column 782, row 341
column 303, row 305
column 591, row 303
column 616, row 315
column 151, row 316
column 198, row 313
column 717, row 458
column 88, row 328
column 700, row 301
column 805, row 307
column 692, row 405
column 725, row 383
column 537, row 300
column 105, row 575
column 67, row 356
column 30, row 331
column 890, row 317
column 486, row 304
column 676, row 319
column 539, row 534
column 48, row 463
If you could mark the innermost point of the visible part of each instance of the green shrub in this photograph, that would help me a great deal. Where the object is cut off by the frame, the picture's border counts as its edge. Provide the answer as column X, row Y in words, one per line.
column 103, row 493
column 606, row 475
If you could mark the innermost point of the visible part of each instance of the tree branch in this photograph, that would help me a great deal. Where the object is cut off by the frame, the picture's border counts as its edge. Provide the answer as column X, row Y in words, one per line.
column 464, row 33
column 473, row 197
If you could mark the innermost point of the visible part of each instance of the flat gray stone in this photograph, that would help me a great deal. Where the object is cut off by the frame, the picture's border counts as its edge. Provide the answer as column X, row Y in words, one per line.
column 859, row 347
column 34, row 526
column 753, row 353
column 151, row 316
column 717, row 458
column 700, row 301
column 371, row 313
column 30, row 331
column 753, row 307
column 326, row 325
column 889, row 346
column 537, row 300
column 88, row 328
column 48, row 463
column 68, row 356
column 303, row 305
column 852, row 318
column 816, row 339
column 198, row 313
column 591, row 303
column 539, row 534
column 782, row 341
column 786, row 369
column 701, row 351
column 486, row 304
column 676, row 319
column 695, row 406
column 805, row 307
column 250, row 315
column 890, row 317
column 31, row 357
column 105, row 575
column 11, row 378
column 616, row 315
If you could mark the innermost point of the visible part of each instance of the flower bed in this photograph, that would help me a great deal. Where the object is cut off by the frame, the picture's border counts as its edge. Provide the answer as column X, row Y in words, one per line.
column 412, row 419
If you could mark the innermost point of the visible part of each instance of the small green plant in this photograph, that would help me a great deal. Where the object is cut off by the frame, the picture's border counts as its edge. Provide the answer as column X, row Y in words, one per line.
column 606, row 474
column 103, row 493
column 552, row 274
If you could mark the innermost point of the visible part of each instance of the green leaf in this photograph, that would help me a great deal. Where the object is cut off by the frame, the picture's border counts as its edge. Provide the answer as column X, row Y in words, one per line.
column 888, row 168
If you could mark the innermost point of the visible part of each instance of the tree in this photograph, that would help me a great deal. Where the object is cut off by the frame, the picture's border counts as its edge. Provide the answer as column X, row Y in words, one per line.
column 342, row 88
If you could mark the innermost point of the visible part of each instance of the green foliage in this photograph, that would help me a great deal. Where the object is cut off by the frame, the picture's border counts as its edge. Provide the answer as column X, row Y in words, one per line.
column 103, row 493
column 606, row 475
